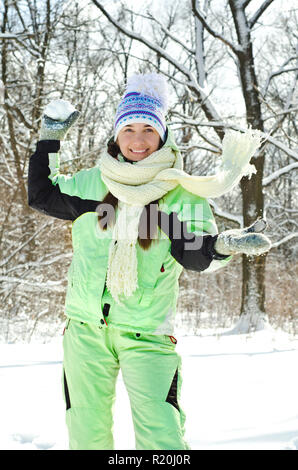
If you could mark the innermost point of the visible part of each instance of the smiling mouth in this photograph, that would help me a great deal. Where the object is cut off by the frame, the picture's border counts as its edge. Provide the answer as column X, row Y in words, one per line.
column 139, row 151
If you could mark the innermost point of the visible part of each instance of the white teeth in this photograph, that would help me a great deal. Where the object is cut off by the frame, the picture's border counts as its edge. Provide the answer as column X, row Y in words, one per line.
column 138, row 151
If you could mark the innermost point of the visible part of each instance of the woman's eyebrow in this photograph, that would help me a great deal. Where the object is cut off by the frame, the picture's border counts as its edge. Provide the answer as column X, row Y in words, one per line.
column 146, row 125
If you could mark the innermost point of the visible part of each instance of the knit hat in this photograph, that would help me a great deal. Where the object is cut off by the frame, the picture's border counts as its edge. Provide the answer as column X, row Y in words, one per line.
column 145, row 101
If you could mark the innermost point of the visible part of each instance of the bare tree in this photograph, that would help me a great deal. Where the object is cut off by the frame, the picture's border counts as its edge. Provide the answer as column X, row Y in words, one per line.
column 64, row 49
column 239, row 46
column 26, row 34
column 43, row 56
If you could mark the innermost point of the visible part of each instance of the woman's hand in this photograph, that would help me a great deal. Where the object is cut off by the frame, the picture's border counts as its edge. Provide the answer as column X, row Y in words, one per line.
column 58, row 117
column 249, row 241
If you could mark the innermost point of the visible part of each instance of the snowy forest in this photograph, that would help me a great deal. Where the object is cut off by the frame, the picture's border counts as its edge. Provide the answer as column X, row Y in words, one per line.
column 230, row 64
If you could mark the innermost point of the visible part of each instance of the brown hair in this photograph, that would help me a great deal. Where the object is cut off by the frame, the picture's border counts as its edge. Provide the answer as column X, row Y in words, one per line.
column 149, row 217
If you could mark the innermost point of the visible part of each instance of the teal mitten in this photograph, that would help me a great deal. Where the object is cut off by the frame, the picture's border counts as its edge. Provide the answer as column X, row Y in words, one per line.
column 247, row 240
column 58, row 117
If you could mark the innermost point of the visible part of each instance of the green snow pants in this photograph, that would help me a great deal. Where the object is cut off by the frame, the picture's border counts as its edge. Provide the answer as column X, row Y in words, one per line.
column 151, row 371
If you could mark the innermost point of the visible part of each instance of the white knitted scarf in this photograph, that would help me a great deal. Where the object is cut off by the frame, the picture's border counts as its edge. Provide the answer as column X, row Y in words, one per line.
column 136, row 185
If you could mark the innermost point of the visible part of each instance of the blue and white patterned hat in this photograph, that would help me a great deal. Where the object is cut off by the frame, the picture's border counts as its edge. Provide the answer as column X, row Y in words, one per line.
column 145, row 101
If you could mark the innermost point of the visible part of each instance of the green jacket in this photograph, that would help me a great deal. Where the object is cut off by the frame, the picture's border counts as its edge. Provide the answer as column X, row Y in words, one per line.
column 152, row 307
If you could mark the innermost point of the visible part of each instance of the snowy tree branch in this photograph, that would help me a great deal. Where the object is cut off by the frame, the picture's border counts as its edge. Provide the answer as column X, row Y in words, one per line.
column 43, row 261
column 200, row 53
column 245, row 3
column 192, row 83
column 224, row 125
column 6, row 182
column 145, row 41
column 6, row 260
column 8, row 36
column 282, row 208
column 285, row 239
column 279, row 72
column 200, row 15
column 276, row 174
column 18, row 38
column 281, row 113
column 259, row 13
column 282, row 147
column 187, row 148
column 5, row 160
column 226, row 215
column 171, row 36
column 164, row 30
column 52, row 285
column 19, row 113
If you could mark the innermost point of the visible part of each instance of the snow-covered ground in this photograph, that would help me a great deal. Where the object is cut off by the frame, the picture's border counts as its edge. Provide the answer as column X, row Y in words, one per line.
column 239, row 392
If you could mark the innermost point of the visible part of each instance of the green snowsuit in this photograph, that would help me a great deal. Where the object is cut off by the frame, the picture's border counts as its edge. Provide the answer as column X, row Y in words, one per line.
column 101, row 337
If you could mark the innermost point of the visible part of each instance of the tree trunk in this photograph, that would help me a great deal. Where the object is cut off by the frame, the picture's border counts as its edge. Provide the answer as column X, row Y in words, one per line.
column 252, row 314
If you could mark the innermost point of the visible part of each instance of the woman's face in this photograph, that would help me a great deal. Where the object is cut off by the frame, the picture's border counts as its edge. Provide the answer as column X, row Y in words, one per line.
column 137, row 141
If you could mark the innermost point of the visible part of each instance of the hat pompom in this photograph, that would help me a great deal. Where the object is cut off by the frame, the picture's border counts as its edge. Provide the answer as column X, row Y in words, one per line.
column 152, row 84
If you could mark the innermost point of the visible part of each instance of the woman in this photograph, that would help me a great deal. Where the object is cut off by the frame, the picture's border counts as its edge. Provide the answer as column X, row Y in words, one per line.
column 138, row 219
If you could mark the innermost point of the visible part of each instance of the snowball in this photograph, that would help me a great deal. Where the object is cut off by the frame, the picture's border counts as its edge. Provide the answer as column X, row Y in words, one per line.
column 59, row 110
